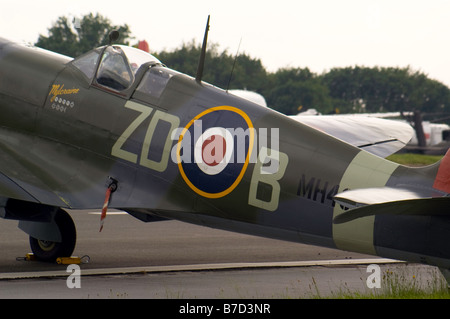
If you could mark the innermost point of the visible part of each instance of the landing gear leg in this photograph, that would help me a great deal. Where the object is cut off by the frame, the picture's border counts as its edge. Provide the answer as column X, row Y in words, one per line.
column 49, row 251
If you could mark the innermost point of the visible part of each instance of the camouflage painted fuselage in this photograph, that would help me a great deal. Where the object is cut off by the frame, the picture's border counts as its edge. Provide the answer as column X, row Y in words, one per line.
column 63, row 136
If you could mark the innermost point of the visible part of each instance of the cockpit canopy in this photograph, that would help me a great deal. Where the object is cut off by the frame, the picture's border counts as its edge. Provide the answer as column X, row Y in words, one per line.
column 117, row 67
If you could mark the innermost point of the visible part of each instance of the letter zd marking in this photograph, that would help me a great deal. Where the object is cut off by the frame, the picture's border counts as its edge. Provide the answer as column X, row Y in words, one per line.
column 146, row 112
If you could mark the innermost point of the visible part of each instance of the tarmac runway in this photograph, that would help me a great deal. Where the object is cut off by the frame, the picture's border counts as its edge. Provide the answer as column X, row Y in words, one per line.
column 170, row 259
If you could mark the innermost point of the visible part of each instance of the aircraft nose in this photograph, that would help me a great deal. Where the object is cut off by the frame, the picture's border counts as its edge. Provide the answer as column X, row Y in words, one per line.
column 24, row 84
column 27, row 75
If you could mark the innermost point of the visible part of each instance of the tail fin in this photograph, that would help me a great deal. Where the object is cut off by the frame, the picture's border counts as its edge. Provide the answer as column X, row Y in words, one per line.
column 442, row 181
column 407, row 200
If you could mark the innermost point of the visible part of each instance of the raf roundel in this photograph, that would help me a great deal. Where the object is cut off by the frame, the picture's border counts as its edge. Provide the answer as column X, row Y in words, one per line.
column 214, row 150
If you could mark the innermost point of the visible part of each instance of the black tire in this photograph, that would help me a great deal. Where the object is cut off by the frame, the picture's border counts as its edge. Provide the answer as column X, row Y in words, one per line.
column 49, row 251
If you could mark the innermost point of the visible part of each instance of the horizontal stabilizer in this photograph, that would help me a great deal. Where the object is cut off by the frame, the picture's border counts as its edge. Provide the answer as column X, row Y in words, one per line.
column 391, row 201
column 377, row 195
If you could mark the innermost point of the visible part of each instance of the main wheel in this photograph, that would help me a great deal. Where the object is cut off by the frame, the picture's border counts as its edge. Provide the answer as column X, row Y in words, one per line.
column 48, row 250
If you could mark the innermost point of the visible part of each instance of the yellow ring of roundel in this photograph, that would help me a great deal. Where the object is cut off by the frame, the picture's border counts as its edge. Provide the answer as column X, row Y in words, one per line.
column 247, row 159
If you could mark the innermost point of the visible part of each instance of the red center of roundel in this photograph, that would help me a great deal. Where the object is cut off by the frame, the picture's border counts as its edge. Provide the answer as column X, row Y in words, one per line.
column 213, row 150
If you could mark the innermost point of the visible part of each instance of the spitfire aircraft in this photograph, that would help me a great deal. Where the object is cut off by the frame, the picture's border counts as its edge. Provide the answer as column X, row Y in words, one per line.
column 116, row 128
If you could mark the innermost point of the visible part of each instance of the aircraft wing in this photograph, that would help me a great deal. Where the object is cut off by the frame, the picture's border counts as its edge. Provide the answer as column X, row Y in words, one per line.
column 9, row 188
column 378, row 136
column 22, row 178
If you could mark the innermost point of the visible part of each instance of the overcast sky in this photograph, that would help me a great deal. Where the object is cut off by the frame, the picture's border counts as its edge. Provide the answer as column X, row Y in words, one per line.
column 319, row 34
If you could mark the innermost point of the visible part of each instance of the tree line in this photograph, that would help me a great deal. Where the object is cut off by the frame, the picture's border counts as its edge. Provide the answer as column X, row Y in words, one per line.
column 354, row 89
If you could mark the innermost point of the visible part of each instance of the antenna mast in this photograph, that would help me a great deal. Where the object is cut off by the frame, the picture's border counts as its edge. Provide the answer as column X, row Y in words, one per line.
column 201, row 62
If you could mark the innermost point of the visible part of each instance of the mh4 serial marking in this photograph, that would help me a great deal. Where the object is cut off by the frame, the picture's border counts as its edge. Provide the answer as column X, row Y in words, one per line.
column 317, row 190
column 212, row 159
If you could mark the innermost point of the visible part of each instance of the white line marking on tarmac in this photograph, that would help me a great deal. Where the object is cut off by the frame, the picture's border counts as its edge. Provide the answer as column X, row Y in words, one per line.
column 200, row 267
column 109, row 213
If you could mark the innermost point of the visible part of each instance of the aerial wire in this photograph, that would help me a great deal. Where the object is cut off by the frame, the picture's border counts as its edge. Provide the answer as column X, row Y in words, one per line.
column 234, row 64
